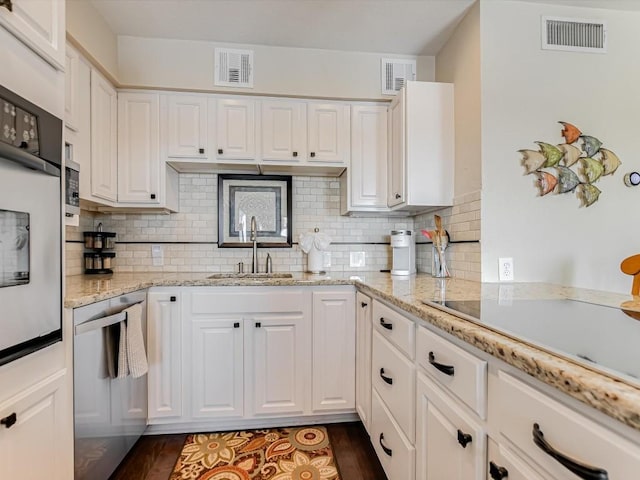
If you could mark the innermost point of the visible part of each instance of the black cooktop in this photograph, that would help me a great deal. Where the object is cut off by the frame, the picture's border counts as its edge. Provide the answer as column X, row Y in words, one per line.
column 601, row 337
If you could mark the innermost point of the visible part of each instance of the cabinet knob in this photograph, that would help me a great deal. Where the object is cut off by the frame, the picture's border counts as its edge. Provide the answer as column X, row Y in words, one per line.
column 312, row 154
column 172, row 298
column 363, row 304
column 236, row 325
column 295, row 154
column 258, row 324
column 497, row 472
column 220, row 151
column 153, row 196
column 464, row 438
column 201, row 151
column 9, row 420
column 398, row 195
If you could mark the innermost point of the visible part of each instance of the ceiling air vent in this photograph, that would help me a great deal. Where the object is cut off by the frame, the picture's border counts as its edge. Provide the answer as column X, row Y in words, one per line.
column 395, row 73
column 574, row 35
column 233, row 68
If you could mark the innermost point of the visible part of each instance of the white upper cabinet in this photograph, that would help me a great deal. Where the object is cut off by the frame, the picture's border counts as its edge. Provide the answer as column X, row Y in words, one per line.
column 187, row 126
column 138, row 148
column 236, row 129
column 365, row 188
column 284, row 130
column 71, row 89
column 421, row 146
column 39, row 24
column 104, row 138
column 329, row 137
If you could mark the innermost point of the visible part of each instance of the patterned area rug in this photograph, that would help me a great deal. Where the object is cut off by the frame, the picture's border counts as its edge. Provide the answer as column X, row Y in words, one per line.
column 271, row 454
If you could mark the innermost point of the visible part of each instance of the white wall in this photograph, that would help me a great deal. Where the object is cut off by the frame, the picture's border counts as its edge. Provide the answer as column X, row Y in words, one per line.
column 525, row 91
column 87, row 27
column 185, row 64
column 459, row 63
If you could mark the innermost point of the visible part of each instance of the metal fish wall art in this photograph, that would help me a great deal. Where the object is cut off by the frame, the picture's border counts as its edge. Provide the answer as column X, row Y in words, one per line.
column 553, row 165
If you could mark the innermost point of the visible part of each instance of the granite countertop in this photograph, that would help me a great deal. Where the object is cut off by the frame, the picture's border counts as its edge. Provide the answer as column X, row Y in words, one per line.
column 615, row 397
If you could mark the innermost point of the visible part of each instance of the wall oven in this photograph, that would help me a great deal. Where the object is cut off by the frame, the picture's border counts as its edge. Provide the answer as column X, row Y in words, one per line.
column 30, row 227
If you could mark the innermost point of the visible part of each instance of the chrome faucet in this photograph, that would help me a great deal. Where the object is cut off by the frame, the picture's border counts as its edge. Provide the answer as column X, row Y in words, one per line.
column 254, row 239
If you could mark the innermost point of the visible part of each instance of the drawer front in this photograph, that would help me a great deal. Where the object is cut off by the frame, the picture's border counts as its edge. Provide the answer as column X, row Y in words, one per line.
column 395, row 452
column 393, row 376
column 574, row 436
column 395, row 327
column 454, row 369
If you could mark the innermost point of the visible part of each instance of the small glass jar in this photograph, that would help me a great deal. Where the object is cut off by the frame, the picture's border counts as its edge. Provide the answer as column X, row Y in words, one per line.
column 108, row 259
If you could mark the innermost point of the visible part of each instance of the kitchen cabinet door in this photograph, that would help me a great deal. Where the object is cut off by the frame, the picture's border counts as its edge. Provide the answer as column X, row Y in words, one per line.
column 138, row 148
column 278, row 364
column 396, row 175
column 217, row 367
column 187, row 126
column 40, row 414
column 333, row 350
column 284, row 131
column 449, row 444
column 329, row 134
column 368, row 170
column 71, row 87
column 164, row 337
column 236, row 129
column 363, row 358
column 104, row 138
column 40, row 25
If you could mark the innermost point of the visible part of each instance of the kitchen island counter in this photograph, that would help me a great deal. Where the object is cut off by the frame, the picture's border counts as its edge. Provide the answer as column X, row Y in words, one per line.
column 607, row 393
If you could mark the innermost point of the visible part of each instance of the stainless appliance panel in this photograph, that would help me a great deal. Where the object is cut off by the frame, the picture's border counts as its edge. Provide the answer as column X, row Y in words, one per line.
column 110, row 414
column 31, row 309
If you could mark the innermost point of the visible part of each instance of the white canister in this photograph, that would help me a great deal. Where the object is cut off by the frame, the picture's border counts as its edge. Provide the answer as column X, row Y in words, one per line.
column 314, row 260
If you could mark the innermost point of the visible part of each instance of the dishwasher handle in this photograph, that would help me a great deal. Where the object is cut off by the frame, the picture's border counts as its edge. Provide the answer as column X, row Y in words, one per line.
column 102, row 322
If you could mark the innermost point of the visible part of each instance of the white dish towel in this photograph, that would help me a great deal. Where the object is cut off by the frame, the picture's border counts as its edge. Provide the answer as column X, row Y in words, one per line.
column 123, row 364
column 136, row 353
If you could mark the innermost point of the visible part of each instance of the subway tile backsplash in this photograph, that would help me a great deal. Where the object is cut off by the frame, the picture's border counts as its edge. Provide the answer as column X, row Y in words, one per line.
column 189, row 238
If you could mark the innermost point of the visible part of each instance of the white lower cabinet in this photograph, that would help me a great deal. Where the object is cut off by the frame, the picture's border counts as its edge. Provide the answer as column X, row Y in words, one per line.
column 35, row 418
column 220, row 355
column 394, row 450
column 449, row 444
column 217, row 367
column 363, row 358
column 278, row 370
column 334, row 345
column 505, row 464
column 164, row 351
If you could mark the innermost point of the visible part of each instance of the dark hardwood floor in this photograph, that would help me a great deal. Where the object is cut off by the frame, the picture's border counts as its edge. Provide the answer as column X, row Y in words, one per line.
column 153, row 456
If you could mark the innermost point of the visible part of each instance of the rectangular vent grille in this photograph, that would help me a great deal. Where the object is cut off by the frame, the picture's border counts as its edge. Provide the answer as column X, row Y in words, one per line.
column 574, row 35
column 396, row 73
column 233, row 68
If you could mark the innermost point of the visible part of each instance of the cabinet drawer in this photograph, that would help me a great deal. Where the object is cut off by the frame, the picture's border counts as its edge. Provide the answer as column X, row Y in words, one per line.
column 505, row 464
column 520, row 407
column 395, row 452
column 458, row 371
column 395, row 327
column 393, row 376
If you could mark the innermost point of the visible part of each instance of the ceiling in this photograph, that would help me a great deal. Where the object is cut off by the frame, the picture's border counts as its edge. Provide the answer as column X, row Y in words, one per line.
column 410, row 27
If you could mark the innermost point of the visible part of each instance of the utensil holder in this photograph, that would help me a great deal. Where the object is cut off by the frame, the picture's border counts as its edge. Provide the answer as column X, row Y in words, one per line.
column 439, row 267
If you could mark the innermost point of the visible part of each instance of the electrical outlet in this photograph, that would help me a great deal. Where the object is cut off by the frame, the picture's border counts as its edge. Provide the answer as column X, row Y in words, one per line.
column 356, row 259
column 505, row 269
column 157, row 255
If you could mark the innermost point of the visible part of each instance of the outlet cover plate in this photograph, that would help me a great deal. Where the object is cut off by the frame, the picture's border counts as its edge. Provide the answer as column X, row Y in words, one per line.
column 356, row 259
column 505, row 269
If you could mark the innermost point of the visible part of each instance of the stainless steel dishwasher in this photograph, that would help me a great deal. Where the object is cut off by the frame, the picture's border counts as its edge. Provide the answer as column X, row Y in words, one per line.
column 110, row 414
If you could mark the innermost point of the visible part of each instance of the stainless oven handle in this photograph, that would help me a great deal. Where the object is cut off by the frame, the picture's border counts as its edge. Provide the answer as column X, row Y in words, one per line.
column 28, row 160
column 102, row 322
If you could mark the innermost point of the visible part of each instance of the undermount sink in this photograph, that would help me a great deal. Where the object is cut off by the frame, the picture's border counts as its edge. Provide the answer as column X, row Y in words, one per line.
column 250, row 275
